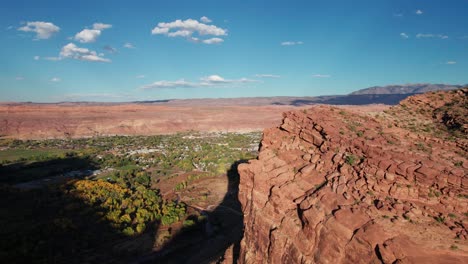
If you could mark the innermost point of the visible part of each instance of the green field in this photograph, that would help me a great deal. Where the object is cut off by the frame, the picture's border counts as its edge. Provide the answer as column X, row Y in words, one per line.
column 30, row 154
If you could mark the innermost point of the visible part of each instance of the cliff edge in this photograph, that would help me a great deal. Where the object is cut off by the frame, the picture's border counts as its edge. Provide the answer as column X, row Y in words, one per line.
column 334, row 186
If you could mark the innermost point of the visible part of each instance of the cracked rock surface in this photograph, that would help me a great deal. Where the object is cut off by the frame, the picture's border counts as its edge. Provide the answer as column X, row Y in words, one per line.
column 334, row 186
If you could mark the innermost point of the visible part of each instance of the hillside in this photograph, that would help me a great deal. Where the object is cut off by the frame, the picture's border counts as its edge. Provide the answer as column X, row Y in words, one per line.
column 406, row 89
column 337, row 186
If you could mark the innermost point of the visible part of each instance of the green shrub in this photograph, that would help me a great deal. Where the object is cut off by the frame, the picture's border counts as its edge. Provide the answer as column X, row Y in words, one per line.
column 188, row 223
column 350, row 159
column 128, row 231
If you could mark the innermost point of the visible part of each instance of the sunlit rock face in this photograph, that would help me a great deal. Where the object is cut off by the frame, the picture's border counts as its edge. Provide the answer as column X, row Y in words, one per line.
column 334, row 186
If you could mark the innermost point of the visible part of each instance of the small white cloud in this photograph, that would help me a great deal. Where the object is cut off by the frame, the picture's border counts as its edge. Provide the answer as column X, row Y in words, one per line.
column 291, row 43
column 321, row 76
column 43, row 30
column 441, row 36
column 204, row 19
column 141, row 76
column 208, row 81
column 91, row 35
column 158, row 30
column 451, row 62
column 213, row 79
column 213, row 41
column 187, row 28
column 404, row 35
column 129, row 45
column 19, row 78
column 267, row 76
column 169, row 84
column 37, row 58
column 55, row 79
column 88, row 35
column 420, row 35
column 419, row 12
column 101, row 26
column 216, row 79
column 52, row 58
column 73, row 52
column 398, row 15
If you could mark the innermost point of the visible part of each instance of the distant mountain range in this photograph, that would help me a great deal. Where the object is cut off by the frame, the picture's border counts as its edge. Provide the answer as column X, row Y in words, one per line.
column 406, row 89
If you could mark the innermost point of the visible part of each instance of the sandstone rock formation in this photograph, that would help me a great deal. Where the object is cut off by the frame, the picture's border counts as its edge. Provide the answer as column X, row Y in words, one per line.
column 333, row 186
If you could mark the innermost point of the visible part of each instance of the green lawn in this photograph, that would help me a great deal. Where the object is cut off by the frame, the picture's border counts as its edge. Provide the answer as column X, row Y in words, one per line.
column 16, row 154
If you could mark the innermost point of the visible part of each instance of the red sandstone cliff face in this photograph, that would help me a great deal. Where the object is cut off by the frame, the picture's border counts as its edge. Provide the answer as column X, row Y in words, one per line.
column 331, row 186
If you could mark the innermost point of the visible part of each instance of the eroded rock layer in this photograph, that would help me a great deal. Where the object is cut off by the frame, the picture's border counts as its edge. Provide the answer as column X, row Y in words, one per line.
column 332, row 186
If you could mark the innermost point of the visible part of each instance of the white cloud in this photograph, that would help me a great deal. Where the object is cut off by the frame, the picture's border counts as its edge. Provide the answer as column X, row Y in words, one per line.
column 204, row 19
column 291, row 43
column 404, row 35
column 216, row 79
column 52, row 58
column 19, row 78
column 91, row 35
column 37, row 58
column 213, row 79
column 87, row 35
column 43, row 30
column 213, row 41
column 208, row 81
column 187, row 28
column 158, row 30
column 129, row 45
column 55, row 79
column 141, row 76
column 101, row 26
column 267, row 76
column 321, row 76
column 72, row 51
column 441, row 36
column 451, row 62
column 420, row 35
column 398, row 15
column 419, row 12
column 170, row 84
column 180, row 33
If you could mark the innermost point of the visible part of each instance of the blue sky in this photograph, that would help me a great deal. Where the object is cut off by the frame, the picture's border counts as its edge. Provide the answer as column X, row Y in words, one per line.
column 149, row 50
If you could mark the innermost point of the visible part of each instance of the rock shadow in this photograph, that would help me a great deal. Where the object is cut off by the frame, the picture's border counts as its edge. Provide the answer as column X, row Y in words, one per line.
column 217, row 236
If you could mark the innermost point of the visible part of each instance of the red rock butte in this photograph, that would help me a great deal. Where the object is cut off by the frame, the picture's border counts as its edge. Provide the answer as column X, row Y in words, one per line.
column 333, row 186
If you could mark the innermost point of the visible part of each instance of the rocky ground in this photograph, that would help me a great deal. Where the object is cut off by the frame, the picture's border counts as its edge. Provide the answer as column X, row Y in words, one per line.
column 337, row 186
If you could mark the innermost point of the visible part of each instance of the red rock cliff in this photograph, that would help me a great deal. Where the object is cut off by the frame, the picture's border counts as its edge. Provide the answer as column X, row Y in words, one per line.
column 331, row 186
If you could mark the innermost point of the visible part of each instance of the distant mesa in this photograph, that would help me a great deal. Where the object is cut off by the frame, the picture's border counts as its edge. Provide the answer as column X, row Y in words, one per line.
column 406, row 89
